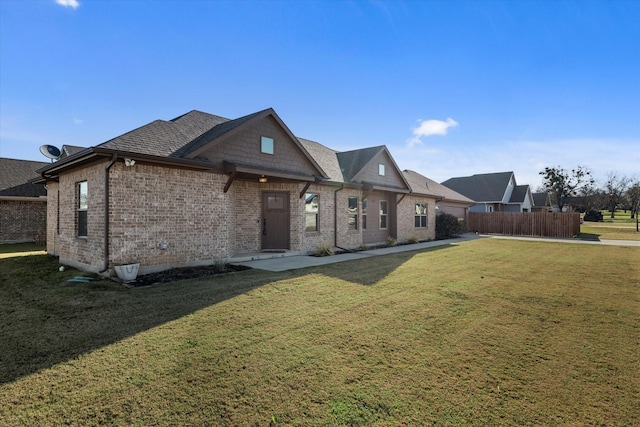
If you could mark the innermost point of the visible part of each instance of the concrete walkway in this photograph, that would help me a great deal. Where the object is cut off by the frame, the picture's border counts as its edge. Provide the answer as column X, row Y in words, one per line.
column 284, row 263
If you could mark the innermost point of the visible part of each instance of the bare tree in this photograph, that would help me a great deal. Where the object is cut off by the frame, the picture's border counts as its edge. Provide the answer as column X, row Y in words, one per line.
column 633, row 198
column 562, row 184
column 615, row 188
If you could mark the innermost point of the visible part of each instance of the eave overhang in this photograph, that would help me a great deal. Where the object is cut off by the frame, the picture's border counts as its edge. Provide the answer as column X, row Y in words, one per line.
column 97, row 154
column 24, row 198
column 376, row 187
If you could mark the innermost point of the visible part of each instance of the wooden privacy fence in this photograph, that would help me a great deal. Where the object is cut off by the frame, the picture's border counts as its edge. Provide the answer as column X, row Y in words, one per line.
column 546, row 224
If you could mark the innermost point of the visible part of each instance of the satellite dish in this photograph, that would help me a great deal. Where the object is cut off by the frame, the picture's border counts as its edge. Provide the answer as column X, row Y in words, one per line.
column 50, row 151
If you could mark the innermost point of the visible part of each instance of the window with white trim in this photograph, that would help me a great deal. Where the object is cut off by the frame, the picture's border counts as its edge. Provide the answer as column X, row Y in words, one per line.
column 311, row 211
column 352, row 213
column 384, row 214
column 82, row 192
column 364, row 214
column 421, row 215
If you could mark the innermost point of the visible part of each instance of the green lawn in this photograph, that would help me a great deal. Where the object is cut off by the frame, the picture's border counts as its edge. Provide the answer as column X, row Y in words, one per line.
column 486, row 332
column 622, row 227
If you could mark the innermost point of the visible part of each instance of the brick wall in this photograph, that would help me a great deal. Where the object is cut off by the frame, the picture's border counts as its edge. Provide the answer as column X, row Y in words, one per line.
column 22, row 221
column 406, row 219
column 348, row 238
column 162, row 217
column 52, row 218
column 82, row 252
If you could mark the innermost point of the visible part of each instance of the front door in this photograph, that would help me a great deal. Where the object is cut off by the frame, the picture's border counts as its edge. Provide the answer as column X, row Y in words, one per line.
column 275, row 220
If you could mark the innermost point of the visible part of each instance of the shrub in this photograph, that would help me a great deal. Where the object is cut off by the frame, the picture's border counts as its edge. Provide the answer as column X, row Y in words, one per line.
column 220, row 265
column 325, row 249
column 391, row 241
column 448, row 226
column 413, row 240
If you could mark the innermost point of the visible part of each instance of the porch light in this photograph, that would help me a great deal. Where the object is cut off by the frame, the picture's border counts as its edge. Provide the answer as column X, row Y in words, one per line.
column 262, row 179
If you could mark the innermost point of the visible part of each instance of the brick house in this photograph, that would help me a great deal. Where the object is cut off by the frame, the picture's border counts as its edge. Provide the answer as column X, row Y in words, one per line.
column 23, row 204
column 201, row 187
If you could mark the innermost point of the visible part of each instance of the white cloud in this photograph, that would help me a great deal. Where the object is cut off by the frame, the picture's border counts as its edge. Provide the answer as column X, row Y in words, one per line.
column 430, row 127
column 74, row 4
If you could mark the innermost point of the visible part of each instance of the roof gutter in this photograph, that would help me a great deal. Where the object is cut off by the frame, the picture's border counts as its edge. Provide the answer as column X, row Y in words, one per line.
column 106, row 211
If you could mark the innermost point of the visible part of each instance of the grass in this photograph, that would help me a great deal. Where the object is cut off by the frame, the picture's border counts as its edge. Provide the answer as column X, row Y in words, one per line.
column 622, row 227
column 487, row 332
column 21, row 249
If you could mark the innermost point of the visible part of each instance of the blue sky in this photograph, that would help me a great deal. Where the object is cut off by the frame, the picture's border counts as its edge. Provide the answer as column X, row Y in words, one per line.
column 452, row 88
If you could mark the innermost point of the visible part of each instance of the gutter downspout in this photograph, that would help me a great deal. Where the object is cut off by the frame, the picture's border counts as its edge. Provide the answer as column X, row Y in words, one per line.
column 335, row 216
column 106, row 211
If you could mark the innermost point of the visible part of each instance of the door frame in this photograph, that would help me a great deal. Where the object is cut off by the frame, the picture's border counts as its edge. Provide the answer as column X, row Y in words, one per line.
column 285, row 211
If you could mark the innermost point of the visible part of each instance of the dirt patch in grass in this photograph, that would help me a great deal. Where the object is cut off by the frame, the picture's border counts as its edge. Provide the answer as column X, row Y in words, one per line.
column 177, row 274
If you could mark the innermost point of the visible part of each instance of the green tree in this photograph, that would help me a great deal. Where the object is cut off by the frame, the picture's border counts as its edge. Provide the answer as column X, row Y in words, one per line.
column 562, row 184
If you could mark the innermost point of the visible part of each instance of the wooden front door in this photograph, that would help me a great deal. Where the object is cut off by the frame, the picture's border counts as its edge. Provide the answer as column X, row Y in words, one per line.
column 275, row 220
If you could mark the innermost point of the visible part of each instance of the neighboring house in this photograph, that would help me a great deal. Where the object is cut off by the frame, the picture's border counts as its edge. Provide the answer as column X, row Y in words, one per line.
column 23, row 204
column 541, row 202
column 448, row 201
column 201, row 187
column 493, row 192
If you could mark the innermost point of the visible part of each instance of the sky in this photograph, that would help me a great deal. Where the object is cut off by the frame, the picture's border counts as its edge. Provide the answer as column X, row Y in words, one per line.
column 452, row 88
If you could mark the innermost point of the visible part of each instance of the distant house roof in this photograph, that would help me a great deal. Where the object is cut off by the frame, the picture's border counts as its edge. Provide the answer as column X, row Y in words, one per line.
column 541, row 199
column 15, row 177
column 519, row 194
column 488, row 187
column 420, row 184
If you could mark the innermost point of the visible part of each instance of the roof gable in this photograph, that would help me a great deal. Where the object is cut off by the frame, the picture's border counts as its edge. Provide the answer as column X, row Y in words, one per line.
column 489, row 187
column 238, row 142
column 352, row 162
column 361, row 166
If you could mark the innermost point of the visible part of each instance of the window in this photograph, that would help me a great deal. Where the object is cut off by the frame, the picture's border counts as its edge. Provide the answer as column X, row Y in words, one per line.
column 364, row 214
column 353, row 213
column 421, row 215
column 311, row 211
column 83, row 205
column 381, row 169
column 266, row 145
column 383, row 214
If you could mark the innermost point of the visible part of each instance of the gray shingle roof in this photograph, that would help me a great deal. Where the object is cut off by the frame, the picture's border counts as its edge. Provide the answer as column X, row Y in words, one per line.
column 165, row 138
column 540, row 199
column 326, row 158
column 15, row 176
column 519, row 193
column 352, row 162
column 70, row 150
column 488, row 187
column 420, row 184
